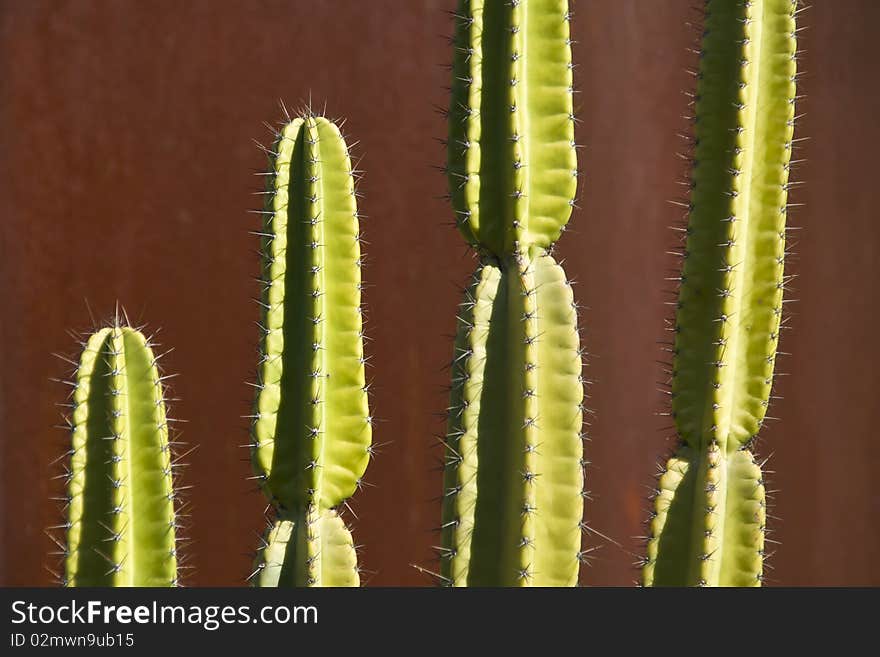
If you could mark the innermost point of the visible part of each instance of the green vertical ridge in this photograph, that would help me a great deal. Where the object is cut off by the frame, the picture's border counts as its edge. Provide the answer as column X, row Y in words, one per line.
column 462, row 459
column 291, row 329
column 559, row 448
column 346, row 411
column 745, row 523
column 90, row 494
column 501, row 509
column 671, row 548
column 151, row 523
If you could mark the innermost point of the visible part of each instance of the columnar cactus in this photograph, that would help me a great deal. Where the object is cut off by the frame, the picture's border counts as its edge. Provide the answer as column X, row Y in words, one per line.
column 513, row 488
column 708, row 525
column 312, row 426
column 121, row 523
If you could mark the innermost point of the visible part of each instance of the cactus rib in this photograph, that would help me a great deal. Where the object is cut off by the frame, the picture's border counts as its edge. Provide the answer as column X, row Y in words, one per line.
column 710, row 512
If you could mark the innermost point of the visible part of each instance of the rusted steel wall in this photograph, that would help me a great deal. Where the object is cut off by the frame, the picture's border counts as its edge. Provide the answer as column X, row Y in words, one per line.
column 126, row 150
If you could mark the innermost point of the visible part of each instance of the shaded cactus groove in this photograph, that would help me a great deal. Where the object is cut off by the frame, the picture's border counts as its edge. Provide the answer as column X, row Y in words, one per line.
column 312, row 426
column 709, row 522
column 513, row 487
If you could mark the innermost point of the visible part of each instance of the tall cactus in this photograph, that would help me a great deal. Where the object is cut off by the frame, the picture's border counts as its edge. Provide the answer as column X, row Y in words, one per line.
column 312, row 426
column 513, row 485
column 121, row 524
column 708, row 525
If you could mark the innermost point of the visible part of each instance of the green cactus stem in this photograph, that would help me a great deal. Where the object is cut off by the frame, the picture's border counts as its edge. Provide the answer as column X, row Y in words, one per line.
column 512, row 500
column 512, row 163
column 312, row 425
column 121, row 523
column 322, row 555
column 708, row 526
column 513, row 491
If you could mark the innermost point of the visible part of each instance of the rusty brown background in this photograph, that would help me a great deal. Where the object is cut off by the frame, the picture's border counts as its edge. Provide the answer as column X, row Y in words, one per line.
column 126, row 148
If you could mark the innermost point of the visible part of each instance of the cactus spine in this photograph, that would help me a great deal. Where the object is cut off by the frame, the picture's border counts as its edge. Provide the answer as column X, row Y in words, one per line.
column 513, row 485
column 121, row 523
column 708, row 525
column 312, row 426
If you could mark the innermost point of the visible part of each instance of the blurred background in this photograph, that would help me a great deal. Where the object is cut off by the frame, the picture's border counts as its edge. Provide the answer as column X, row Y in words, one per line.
column 127, row 135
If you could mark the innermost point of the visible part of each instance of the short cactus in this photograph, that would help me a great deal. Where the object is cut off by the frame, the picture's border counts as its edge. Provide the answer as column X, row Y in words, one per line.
column 513, row 487
column 312, row 426
column 708, row 524
column 121, row 522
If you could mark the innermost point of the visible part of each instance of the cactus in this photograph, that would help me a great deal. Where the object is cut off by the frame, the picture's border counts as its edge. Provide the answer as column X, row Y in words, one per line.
column 121, row 522
column 708, row 523
column 311, row 437
column 513, row 482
